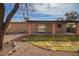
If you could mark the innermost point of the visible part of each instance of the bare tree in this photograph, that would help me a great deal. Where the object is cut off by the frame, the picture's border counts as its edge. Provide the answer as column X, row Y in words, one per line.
column 25, row 8
column 4, row 25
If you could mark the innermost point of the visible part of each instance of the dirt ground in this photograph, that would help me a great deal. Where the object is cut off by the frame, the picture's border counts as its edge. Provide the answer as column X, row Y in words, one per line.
column 27, row 49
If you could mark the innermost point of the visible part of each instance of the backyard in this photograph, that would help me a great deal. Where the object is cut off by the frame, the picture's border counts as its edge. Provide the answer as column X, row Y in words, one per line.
column 41, row 45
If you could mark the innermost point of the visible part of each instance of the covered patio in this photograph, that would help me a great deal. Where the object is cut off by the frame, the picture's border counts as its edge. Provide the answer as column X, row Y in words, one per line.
column 53, row 27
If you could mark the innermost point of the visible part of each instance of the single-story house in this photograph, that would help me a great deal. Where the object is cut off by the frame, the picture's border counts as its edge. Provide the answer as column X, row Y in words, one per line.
column 44, row 27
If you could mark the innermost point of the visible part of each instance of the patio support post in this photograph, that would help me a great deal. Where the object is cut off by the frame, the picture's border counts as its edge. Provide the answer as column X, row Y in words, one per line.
column 53, row 28
column 77, row 28
column 29, row 28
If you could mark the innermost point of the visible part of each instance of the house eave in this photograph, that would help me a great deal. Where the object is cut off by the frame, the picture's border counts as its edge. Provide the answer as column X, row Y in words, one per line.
column 49, row 21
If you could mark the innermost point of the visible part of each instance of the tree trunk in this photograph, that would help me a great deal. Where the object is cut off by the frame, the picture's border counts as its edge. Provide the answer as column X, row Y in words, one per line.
column 2, row 13
column 4, row 25
column 1, row 41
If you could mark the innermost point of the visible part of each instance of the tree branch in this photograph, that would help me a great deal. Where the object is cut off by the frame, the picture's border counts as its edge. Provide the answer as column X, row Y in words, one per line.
column 2, row 13
column 9, row 17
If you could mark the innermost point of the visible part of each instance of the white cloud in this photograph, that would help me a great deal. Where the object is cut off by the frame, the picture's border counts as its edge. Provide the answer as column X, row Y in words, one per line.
column 52, row 8
column 45, row 8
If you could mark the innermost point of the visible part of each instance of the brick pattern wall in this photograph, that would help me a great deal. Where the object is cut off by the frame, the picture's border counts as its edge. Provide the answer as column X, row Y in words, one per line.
column 34, row 27
column 77, row 29
column 17, row 27
column 53, row 27
column 63, row 28
column 29, row 28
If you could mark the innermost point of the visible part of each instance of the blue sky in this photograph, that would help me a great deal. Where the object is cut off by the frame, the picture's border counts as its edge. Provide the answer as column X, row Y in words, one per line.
column 43, row 11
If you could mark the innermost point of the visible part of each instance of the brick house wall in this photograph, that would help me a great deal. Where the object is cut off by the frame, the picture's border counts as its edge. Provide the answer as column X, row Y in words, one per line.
column 17, row 27
column 53, row 28
column 32, row 28
column 29, row 28
column 63, row 28
column 77, row 29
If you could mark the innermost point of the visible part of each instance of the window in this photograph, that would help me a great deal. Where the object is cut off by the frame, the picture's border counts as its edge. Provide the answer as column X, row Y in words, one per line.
column 41, row 27
column 58, row 25
column 71, row 25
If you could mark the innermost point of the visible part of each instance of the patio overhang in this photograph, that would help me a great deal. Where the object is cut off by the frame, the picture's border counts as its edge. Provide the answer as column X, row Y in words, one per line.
column 50, row 21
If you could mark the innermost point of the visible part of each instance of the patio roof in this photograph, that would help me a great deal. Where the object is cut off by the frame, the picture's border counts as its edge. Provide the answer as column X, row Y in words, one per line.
column 51, row 21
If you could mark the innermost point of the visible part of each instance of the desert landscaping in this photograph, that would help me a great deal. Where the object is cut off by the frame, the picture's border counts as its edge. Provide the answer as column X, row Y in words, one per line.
column 27, row 48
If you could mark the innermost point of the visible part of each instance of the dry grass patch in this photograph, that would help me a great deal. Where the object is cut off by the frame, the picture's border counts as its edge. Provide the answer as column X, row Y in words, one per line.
column 55, row 42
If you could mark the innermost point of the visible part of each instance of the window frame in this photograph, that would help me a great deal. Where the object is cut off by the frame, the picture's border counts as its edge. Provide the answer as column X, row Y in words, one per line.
column 59, row 25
